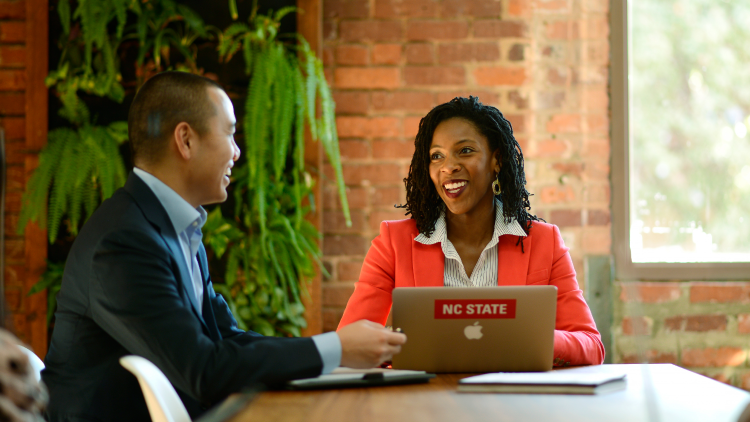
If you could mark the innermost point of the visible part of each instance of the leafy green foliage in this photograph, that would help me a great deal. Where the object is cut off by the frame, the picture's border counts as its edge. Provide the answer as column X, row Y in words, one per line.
column 79, row 169
column 270, row 245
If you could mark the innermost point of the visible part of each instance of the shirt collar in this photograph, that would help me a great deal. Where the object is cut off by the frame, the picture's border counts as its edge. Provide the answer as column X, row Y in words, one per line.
column 441, row 232
column 180, row 212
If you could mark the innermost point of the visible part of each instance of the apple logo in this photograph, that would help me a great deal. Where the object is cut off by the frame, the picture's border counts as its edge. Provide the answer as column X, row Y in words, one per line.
column 473, row 332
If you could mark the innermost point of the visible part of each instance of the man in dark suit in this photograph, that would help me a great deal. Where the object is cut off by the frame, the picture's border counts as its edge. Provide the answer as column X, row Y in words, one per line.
column 136, row 280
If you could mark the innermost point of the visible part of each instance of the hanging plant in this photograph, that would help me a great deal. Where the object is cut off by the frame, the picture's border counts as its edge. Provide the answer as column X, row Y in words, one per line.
column 270, row 245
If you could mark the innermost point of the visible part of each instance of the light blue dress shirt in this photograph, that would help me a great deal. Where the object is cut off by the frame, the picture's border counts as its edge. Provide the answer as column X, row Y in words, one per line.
column 187, row 222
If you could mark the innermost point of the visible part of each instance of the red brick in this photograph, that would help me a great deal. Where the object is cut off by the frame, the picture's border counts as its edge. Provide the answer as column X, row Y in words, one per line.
column 331, row 318
column 485, row 97
column 343, row 245
column 367, row 77
column 389, row 196
column 359, row 31
column 351, row 102
column 16, row 175
column 373, row 174
column 337, row 294
column 436, row 30
column 517, row 121
column 651, row 356
column 406, row 8
column 345, row 9
column 595, row 29
column 403, row 100
column 396, row 149
column 743, row 323
column 330, row 30
column 517, row 53
column 557, row 194
column 552, row 6
column 411, row 127
column 12, row 56
column 352, row 55
column 13, row 202
column 724, row 292
column 12, row 32
column 519, row 7
column 335, row 223
column 596, row 240
column 519, row 99
column 598, row 123
column 699, row 323
column 637, row 326
column 349, row 270
column 12, row 9
column 328, row 56
column 596, row 147
column 564, row 123
column 565, row 218
column 378, row 217
column 472, row 8
column 649, row 292
column 386, row 53
column 356, row 197
column 12, row 103
column 563, row 30
column 368, row 127
column 722, row 356
column 420, row 53
column 354, row 149
column 425, row 75
column 557, row 148
column 598, row 218
column 12, row 80
column 500, row 75
column 468, row 52
column 15, row 127
column 494, row 28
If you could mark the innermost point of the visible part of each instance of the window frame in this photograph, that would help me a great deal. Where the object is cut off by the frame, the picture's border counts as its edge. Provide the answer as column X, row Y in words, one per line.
column 625, row 268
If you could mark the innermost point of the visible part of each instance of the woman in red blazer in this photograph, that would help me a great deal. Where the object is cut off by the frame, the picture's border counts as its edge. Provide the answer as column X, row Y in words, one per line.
column 466, row 178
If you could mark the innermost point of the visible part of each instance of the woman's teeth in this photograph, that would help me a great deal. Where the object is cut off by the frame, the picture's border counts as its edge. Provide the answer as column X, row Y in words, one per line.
column 454, row 187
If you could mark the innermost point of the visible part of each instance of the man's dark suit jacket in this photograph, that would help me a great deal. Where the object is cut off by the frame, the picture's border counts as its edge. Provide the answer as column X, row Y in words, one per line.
column 127, row 290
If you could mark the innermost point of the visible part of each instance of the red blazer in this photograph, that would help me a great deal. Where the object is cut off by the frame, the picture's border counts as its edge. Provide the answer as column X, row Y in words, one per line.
column 397, row 260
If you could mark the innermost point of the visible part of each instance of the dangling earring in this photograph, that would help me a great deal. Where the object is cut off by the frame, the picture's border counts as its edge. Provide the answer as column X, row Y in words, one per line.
column 496, row 187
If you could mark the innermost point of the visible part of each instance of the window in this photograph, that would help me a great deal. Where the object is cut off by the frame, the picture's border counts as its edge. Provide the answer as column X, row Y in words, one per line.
column 681, row 147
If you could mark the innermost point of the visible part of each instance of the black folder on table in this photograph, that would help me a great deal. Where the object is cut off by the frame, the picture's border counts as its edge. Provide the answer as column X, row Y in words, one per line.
column 348, row 378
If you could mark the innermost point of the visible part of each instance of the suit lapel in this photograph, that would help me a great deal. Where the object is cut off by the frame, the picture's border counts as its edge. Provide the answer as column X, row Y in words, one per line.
column 512, row 265
column 157, row 215
column 208, row 310
column 429, row 265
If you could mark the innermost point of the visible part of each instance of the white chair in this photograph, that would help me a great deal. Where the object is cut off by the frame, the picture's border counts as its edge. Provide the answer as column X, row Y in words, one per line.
column 36, row 364
column 162, row 400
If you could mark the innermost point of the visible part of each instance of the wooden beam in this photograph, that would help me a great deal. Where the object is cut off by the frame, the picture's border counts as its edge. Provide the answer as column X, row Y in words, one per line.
column 35, row 239
column 310, row 26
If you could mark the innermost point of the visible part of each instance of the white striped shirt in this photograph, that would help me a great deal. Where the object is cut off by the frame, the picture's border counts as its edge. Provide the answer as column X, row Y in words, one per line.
column 485, row 270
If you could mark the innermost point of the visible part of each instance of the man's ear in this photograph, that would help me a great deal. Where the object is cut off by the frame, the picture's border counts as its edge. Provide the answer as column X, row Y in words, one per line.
column 184, row 140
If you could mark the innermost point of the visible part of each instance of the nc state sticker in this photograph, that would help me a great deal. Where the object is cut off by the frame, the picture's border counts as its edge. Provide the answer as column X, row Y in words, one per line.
column 475, row 309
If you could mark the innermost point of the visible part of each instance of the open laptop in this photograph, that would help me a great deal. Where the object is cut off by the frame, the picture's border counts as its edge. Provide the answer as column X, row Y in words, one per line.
column 480, row 329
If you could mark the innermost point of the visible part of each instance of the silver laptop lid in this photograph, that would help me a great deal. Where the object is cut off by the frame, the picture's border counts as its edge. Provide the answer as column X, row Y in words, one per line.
column 481, row 329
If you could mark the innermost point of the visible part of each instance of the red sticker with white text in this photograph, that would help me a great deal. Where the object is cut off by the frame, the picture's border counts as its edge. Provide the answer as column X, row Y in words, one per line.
column 475, row 309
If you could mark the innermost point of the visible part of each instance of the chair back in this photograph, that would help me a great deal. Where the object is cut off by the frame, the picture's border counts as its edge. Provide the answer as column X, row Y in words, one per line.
column 162, row 400
column 36, row 364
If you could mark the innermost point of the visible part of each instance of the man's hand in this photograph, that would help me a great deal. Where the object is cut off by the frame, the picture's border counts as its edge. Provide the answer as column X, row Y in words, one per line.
column 365, row 344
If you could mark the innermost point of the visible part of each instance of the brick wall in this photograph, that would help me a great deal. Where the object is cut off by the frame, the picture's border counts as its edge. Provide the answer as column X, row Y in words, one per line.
column 542, row 63
column 702, row 326
column 23, row 116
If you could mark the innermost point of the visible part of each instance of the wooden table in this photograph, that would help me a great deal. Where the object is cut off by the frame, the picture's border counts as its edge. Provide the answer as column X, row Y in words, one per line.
column 673, row 394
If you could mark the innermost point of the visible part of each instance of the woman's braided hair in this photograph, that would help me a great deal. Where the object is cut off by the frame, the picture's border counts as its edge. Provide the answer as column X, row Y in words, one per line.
column 422, row 200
